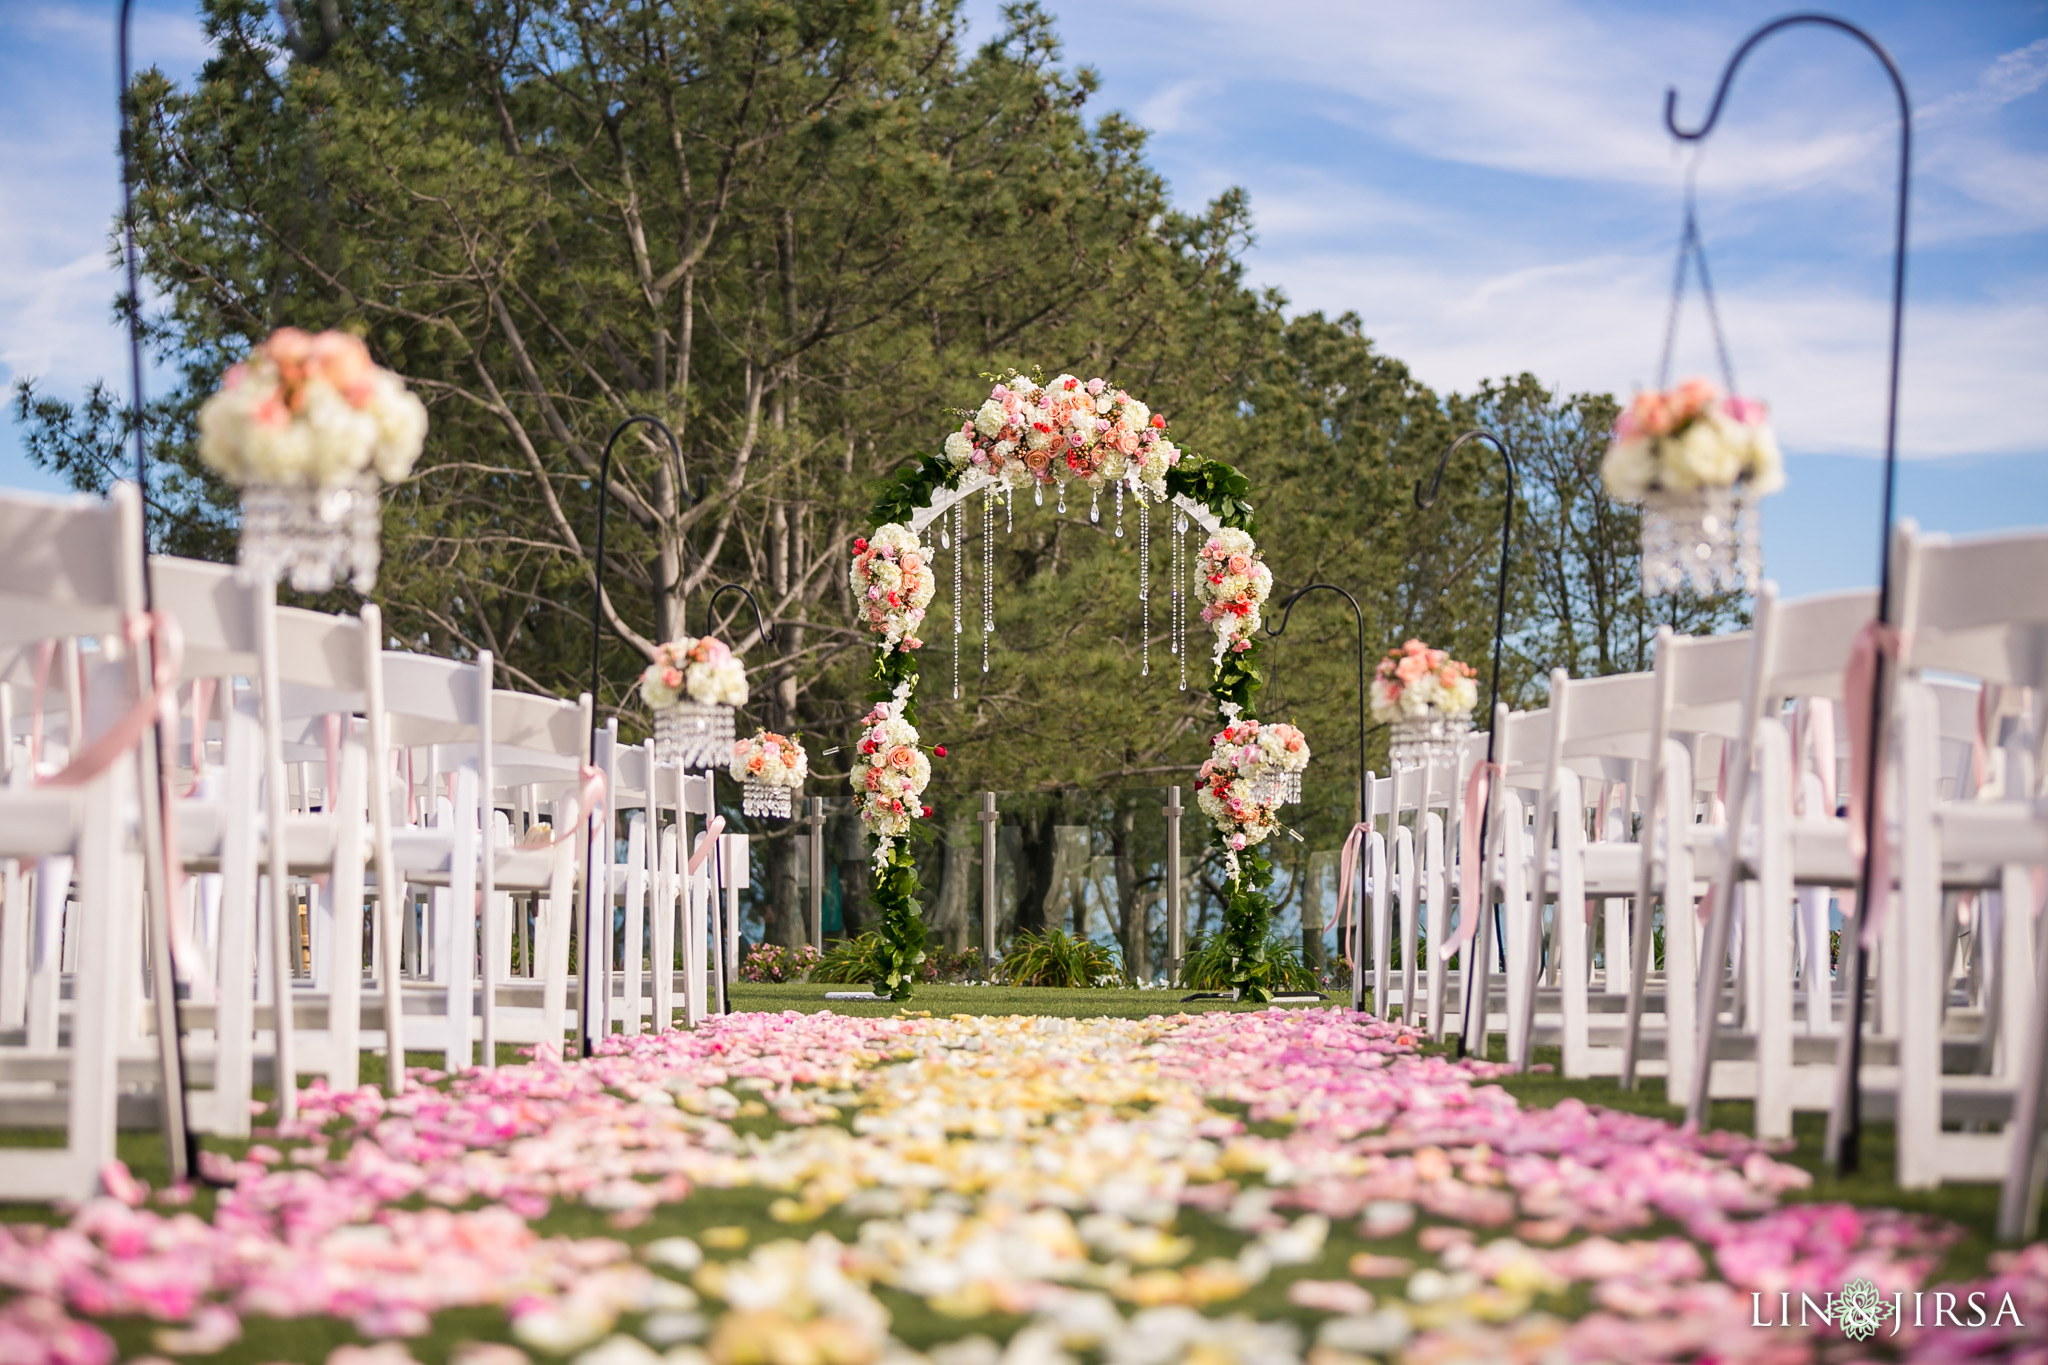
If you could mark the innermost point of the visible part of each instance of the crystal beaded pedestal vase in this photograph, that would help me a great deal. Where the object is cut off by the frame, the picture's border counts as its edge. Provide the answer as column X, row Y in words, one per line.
column 757, row 798
column 1708, row 539
column 1417, row 741
column 693, row 735
column 312, row 534
column 1281, row 789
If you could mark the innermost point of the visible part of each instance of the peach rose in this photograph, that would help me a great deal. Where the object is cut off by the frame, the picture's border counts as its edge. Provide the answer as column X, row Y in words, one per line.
column 902, row 756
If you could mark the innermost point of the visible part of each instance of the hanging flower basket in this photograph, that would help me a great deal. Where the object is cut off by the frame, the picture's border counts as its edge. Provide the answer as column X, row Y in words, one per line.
column 1709, row 540
column 1696, row 461
column 1426, row 698
column 773, row 803
column 1426, row 739
column 312, row 534
column 692, row 735
column 692, row 686
column 307, row 428
column 1246, row 778
column 769, row 768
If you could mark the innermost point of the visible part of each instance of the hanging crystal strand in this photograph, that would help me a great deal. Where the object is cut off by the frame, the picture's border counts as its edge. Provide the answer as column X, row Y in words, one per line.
column 1009, row 510
column 1095, row 505
column 1144, row 584
column 1037, row 493
column 959, row 546
column 1181, row 571
column 1119, row 509
column 988, row 574
column 1063, row 499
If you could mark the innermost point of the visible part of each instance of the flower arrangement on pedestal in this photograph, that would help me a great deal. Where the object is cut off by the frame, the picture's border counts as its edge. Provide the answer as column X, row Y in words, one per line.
column 769, row 768
column 305, row 428
column 1232, row 582
column 692, row 686
column 1696, row 460
column 1029, row 432
column 1427, row 697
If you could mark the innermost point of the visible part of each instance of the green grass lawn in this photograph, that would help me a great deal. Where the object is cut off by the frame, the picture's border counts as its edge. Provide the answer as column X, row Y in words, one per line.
column 940, row 1001
column 1972, row 1207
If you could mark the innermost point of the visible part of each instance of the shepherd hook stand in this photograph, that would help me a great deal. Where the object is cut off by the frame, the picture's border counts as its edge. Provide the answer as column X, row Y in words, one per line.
column 1845, row 1121
column 1476, row 970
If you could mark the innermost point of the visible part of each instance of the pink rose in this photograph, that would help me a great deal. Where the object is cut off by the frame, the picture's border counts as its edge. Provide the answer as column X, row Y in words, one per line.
column 1240, row 564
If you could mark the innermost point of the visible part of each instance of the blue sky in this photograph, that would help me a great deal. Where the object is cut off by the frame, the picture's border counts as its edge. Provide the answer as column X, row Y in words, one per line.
column 1488, row 185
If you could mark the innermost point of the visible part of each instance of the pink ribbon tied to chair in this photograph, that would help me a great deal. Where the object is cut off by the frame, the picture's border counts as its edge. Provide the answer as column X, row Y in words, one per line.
column 590, row 795
column 706, row 841
column 1348, row 875
column 1478, row 790
column 1874, row 642
column 160, row 628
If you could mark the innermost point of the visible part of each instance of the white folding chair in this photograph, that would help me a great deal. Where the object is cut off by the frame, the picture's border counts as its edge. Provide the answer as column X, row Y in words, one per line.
column 71, row 567
column 1975, row 607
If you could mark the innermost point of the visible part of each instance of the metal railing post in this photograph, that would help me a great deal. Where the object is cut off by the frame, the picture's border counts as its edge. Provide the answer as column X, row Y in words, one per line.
column 814, row 818
column 987, row 816
column 1176, row 922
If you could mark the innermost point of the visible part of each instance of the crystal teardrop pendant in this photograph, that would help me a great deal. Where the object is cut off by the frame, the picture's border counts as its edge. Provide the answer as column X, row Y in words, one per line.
column 1095, row 507
column 1063, row 499
column 1038, row 494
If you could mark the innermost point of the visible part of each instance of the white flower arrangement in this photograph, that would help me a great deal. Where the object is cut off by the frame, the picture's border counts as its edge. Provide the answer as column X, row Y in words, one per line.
column 703, row 670
column 767, row 759
column 890, row 774
column 1415, row 681
column 1069, row 429
column 1692, row 438
column 310, row 410
column 1232, row 582
column 892, row 583
column 1236, row 787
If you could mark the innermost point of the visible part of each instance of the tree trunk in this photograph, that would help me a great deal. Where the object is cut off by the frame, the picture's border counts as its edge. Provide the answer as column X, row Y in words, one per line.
column 785, row 909
column 957, row 886
column 1131, row 904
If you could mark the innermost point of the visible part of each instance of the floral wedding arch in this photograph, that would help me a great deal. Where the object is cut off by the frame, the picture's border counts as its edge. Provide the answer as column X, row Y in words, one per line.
column 1057, row 434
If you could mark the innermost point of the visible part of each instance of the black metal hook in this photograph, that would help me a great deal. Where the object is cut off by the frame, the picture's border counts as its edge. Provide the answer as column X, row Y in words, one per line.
column 762, row 626
column 604, row 484
column 182, row 1139
column 1357, row 615
column 1500, row 619
column 1507, row 532
column 1845, row 1120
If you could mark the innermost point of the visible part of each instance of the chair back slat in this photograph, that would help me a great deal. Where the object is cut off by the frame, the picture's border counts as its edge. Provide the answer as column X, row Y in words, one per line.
column 56, row 576
column 216, row 614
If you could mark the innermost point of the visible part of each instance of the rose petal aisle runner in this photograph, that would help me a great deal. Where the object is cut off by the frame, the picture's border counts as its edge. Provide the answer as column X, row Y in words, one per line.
column 815, row 1190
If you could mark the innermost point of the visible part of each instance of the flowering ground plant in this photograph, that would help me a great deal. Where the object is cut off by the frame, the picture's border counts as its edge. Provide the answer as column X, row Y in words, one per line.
column 313, row 410
column 1071, row 428
column 771, row 962
column 1415, row 681
column 1232, row 582
column 767, row 759
column 703, row 670
column 892, row 584
column 1690, row 438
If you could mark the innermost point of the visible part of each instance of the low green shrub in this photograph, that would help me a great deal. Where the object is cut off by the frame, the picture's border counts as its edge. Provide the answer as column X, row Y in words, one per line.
column 856, row 962
column 1207, row 966
column 1054, row 957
